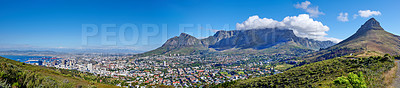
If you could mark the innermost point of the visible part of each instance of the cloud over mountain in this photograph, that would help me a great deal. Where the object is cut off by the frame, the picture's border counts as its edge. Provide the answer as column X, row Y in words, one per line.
column 302, row 25
column 255, row 22
column 313, row 11
column 343, row 17
column 368, row 13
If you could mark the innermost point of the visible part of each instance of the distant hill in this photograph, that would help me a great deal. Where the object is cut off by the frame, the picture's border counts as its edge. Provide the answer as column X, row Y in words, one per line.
column 29, row 52
column 20, row 75
column 238, row 40
column 66, row 51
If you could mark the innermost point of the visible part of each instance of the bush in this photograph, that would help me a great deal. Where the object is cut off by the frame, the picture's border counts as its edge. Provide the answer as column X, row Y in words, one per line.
column 16, row 84
column 352, row 81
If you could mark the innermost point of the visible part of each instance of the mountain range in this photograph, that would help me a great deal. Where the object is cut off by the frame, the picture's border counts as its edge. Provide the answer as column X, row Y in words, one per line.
column 257, row 40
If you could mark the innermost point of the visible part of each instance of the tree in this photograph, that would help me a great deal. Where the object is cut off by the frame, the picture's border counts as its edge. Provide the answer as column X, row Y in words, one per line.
column 352, row 81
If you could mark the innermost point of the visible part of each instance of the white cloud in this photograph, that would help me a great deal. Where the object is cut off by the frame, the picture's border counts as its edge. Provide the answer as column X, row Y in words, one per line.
column 302, row 26
column 355, row 16
column 202, row 37
column 255, row 22
column 368, row 13
column 303, row 5
column 313, row 11
column 343, row 17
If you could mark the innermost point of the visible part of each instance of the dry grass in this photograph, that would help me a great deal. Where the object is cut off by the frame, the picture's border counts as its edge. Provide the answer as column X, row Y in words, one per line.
column 283, row 67
column 389, row 76
column 368, row 54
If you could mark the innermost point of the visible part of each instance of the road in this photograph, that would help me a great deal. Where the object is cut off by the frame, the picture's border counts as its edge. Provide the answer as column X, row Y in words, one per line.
column 396, row 82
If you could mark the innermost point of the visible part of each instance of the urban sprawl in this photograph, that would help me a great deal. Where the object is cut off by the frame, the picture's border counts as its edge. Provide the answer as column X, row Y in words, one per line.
column 173, row 69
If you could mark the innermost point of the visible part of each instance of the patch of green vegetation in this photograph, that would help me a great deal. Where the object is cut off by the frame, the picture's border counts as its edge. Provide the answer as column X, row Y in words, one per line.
column 240, row 72
column 323, row 73
column 351, row 81
column 283, row 67
column 225, row 73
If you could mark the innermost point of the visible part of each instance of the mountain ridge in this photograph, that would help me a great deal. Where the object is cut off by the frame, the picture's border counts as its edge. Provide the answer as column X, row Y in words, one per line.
column 257, row 39
column 372, row 37
column 369, row 40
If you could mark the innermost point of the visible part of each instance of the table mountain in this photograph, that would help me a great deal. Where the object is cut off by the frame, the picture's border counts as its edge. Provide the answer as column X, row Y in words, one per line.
column 237, row 40
column 261, row 39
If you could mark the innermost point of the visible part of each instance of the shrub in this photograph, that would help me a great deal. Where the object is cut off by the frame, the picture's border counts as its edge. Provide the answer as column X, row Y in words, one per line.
column 352, row 81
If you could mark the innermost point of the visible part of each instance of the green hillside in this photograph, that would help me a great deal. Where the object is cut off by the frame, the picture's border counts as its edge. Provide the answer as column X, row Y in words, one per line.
column 323, row 74
column 18, row 74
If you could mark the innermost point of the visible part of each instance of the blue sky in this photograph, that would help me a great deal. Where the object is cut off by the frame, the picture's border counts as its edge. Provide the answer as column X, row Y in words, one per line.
column 58, row 24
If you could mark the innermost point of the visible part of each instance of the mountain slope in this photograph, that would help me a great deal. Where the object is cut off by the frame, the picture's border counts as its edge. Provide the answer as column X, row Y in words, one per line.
column 238, row 40
column 21, row 75
column 370, row 39
column 373, row 37
column 182, row 44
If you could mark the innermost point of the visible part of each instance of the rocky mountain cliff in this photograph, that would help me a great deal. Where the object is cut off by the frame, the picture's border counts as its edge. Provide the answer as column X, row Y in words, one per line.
column 237, row 40
column 261, row 39
column 182, row 41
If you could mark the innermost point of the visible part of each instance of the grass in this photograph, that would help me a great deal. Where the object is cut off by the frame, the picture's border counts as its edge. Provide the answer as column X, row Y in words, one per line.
column 368, row 53
column 283, row 67
column 240, row 72
column 389, row 76
column 226, row 74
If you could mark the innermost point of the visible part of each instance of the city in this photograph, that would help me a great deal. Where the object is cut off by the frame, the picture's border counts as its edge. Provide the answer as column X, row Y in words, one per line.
column 172, row 70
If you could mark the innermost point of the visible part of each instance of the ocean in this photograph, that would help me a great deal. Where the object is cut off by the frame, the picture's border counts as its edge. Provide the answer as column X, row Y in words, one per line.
column 26, row 58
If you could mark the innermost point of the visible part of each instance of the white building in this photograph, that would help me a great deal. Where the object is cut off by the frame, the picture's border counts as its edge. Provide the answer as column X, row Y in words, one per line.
column 90, row 67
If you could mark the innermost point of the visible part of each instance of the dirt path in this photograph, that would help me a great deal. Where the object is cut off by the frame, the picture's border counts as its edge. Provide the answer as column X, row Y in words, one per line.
column 396, row 81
